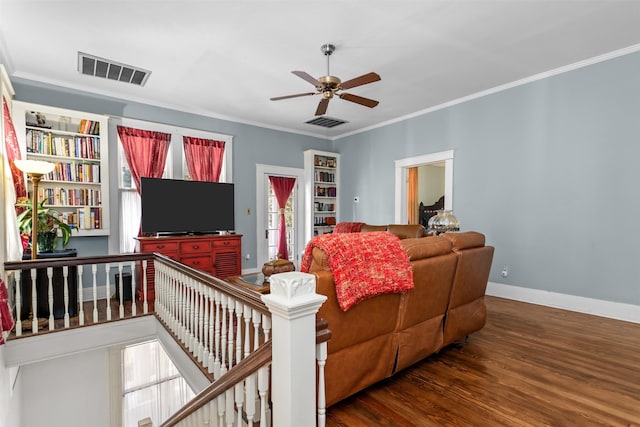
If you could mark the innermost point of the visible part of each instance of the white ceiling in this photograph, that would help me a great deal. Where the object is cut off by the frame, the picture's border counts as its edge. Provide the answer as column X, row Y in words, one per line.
column 226, row 59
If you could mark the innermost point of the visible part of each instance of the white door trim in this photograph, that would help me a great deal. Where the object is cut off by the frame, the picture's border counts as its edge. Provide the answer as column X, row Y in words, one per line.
column 402, row 177
column 261, row 172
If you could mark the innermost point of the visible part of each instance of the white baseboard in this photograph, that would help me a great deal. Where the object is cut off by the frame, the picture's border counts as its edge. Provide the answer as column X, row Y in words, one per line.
column 596, row 307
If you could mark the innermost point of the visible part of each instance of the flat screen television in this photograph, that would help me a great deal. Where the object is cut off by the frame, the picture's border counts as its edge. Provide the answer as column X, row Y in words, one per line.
column 172, row 206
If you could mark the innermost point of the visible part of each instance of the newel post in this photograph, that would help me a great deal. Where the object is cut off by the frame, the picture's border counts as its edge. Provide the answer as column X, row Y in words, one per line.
column 293, row 304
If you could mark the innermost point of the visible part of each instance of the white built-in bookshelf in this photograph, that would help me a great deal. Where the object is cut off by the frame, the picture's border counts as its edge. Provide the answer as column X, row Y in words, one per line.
column 77, row 143
column 322, row 187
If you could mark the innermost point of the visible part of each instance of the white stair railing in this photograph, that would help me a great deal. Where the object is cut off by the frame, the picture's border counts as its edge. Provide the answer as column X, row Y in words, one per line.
column 238, row 329
column 50, row 283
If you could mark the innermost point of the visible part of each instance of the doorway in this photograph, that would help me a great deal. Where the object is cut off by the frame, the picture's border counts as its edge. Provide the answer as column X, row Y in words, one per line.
column 402, row 167
column 267, row 214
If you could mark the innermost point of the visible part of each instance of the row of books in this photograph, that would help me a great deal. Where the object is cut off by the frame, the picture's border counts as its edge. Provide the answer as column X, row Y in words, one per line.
column 40, row 142
column 90, row 127
column 75, row 172
column 83, row 219
column 325, row 207
column 321, row 176
column 325, row 191
column 324, row 220
column 325, row 162
column 70, row 197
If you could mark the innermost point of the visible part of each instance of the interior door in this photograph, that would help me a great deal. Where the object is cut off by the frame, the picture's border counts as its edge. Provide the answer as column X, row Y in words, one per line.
column 268, row 215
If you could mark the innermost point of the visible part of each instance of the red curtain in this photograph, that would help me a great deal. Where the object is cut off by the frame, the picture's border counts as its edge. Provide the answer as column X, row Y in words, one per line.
column 146, row 152
column 282, row 187
column 204, row 158
column 13, row 152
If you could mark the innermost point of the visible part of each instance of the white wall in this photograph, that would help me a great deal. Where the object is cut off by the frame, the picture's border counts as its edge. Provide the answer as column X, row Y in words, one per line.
column 430, row 183
column 9, row 395
column 70, row 391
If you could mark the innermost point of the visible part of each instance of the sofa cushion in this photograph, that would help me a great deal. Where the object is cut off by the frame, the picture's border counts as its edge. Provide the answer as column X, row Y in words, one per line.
column 406, row 231
column 465, row 240
column 369, row 228
column 426, row 247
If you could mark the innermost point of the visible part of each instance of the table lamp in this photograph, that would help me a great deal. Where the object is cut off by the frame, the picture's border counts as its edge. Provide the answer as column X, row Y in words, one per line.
column 35, row 169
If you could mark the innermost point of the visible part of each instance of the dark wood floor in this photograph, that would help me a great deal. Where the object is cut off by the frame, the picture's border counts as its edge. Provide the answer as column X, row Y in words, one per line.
column 529, row 366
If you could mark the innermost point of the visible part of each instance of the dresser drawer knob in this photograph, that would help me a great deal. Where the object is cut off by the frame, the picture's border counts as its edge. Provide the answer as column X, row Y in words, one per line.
column 196, row 247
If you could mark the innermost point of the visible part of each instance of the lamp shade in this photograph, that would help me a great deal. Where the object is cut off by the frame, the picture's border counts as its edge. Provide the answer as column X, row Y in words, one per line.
column 38, row 167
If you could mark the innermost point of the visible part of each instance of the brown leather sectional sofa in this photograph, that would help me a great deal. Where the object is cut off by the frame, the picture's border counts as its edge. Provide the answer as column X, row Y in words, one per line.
column 380, row 336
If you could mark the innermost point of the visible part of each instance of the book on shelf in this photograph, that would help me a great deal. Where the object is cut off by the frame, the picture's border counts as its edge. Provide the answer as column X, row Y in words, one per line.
column 89, row 218
column 90, row 127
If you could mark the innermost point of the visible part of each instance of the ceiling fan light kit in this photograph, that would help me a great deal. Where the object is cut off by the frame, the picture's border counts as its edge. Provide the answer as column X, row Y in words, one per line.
column 329, row 85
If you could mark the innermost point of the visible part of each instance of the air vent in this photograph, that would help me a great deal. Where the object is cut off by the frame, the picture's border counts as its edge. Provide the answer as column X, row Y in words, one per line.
column 326, row 122
column 91, row 65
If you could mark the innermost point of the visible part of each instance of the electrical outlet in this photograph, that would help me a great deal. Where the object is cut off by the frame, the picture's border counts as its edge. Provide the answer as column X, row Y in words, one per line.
column 505, row 271
column 356, row 199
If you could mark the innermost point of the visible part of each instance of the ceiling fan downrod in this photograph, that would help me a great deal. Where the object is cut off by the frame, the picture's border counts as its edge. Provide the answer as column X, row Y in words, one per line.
column 327, row 49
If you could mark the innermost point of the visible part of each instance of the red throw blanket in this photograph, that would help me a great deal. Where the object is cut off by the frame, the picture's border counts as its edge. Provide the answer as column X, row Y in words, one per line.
column 363, row 264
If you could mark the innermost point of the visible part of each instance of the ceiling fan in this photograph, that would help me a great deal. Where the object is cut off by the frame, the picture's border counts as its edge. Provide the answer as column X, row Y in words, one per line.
column 329, row 85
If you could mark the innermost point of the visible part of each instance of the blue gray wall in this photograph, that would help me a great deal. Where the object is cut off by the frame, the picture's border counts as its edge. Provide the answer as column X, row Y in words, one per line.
column 251, row 145
column 548, row 171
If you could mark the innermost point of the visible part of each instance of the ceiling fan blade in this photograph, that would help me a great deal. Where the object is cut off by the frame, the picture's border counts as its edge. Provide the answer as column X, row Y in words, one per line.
column 359, row 100
column 278, row 98
column 307, row 77
column 359, row 81
column 322, row 106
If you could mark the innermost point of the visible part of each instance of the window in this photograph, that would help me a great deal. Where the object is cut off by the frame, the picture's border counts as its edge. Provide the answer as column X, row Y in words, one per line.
column 151, row 384
column 129, row 201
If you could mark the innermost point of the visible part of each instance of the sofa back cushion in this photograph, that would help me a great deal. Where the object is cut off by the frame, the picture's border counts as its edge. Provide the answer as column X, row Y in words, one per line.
column 465, row 240
column 368, row 228
column 434, row 265
column 406, row 231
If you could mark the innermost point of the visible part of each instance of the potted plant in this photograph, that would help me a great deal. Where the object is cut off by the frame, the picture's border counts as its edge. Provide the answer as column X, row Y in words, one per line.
column 48, row 225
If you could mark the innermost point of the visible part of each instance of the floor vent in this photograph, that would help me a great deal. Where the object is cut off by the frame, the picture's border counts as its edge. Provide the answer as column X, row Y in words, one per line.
column 326, row 122
column 91, row 65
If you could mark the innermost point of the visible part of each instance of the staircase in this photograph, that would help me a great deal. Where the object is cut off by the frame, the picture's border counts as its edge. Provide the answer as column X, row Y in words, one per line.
column 239, row 341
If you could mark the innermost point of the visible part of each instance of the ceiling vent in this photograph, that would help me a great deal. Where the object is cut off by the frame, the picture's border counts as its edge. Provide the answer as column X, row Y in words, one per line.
column 326, row 122
column 91, row 65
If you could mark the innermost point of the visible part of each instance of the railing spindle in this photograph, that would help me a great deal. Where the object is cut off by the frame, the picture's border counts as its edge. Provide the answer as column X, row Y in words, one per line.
column 107, row 269
column 18, row 278
column 263, row 386
column 145, row 305
column 321, row 357
column 50, row 296
column 65, row 281
column 223, row 335
column 34, row 301
column 132, row 267
column 120, row 291
column 94, row 270
column 80, row 297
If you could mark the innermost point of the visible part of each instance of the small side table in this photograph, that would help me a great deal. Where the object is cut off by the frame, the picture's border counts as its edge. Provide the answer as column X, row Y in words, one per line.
column 42, row 287
column 254, row 282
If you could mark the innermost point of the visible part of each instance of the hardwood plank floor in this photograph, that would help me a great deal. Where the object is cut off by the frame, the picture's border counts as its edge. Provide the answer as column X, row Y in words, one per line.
column 529, row 366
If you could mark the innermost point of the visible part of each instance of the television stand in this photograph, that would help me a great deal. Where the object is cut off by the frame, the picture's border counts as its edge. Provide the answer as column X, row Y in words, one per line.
column 218, row 255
